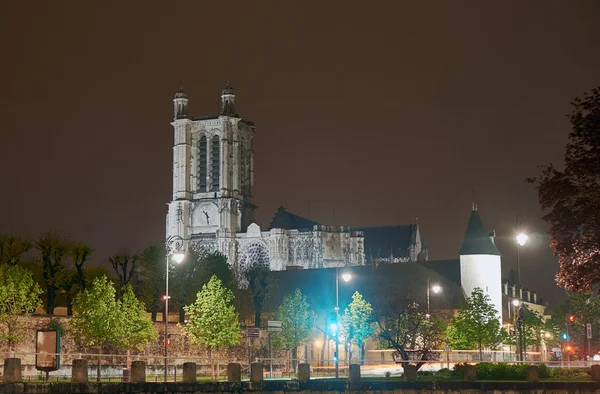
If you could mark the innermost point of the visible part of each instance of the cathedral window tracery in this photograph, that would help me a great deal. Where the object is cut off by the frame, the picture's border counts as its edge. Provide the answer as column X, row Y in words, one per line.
column 202, row 154
column 215, row 151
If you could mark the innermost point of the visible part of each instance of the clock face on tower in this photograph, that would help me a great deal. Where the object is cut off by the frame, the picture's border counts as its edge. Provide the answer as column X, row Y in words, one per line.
column 205, row 215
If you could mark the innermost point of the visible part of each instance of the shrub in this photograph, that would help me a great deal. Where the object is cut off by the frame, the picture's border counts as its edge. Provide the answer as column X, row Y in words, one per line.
column 501, row 371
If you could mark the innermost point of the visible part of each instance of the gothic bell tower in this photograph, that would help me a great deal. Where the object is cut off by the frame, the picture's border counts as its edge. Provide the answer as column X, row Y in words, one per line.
column 213, row 168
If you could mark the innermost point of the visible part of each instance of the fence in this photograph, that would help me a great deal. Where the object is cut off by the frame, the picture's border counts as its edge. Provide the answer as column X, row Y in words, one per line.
column 113, row 367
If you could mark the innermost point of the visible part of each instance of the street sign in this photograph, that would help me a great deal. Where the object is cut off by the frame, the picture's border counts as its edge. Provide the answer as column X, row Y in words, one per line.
column 589, row 330
column 253, row 332
column 274, row 329
column 274, row 323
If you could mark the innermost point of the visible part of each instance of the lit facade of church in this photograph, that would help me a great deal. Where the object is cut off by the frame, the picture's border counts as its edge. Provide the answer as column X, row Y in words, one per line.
column 213, row 178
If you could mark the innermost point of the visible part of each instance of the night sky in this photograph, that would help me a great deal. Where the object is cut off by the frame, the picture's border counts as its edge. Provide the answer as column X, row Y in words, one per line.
column 368, row 113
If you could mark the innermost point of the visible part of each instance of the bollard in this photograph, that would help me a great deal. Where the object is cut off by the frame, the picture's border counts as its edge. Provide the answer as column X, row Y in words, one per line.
column 256, row 372
column 234, row 372
column 470, row 373
column 138, row 371
column 12, row 370
column 596, row 373
column 410, row 373
column 303, row 372
column 79, row 372
column 189, row 373
column 354, row 373
column 533, row 373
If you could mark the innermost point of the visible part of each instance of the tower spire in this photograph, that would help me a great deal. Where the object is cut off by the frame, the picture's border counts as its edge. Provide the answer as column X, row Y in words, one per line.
column 474, row 205
column 228, row 101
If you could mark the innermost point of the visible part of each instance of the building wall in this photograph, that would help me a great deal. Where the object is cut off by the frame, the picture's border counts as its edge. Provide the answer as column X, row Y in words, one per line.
column 485, row 272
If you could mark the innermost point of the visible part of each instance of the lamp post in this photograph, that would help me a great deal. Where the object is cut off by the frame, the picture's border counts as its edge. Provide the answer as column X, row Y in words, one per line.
column 521, row 241
column 174, row 246
column 436, row 289
column 346, row 277
column 516, row 302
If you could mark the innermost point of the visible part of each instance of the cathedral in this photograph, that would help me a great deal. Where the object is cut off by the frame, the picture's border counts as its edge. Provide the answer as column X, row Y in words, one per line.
column 212, row 208
column 213, row 177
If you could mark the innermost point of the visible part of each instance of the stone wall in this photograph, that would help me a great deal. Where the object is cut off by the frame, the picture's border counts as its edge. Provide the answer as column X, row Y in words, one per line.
column 310, row 387
column 180, row 349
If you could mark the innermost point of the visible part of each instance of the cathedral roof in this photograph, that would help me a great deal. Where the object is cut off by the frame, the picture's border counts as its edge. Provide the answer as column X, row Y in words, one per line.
column 288, row 221
column 388, row 241
column 477, row 239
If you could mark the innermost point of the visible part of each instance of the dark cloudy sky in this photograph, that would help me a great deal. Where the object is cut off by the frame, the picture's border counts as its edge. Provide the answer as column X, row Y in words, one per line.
column 371, row 112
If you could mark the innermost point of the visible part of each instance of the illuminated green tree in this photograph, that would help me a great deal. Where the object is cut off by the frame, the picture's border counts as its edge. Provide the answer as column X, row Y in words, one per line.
column 136, row 327
column 19, row 296
column 213, row 320
column 97, row 319
column 357, row 324
column 477, row 324
column 297, row 321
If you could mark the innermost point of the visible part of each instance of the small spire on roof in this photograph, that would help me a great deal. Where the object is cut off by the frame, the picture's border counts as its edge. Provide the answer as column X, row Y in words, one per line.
column 474, row 205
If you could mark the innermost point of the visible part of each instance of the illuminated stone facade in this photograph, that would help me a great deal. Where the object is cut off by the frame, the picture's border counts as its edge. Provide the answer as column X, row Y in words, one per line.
column 213, row 177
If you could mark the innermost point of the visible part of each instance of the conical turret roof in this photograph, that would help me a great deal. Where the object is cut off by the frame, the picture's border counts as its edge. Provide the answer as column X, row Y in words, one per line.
column 477, row 239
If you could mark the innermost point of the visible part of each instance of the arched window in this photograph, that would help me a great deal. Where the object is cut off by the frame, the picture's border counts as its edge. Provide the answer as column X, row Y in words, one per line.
column 215, row 150
column 202, row 164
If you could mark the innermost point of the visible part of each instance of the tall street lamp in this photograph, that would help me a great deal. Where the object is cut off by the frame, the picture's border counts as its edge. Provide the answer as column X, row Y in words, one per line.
column 346, row 277
column 174, row 246
column 436, row 289
column 516, row 302
column 521, row 241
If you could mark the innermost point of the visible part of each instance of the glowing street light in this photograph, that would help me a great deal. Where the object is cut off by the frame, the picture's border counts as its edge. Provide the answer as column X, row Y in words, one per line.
column 436, row 289
column 522, row 239
column 346, row 277
column 516, row 302
column 174, row 245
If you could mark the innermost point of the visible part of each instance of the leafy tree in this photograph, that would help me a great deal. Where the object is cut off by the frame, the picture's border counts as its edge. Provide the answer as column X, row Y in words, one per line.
column 477, row 324
column 261, row 286
column 357, row 323
column 213, row 320
column 297, row 320
column 124, row 265
column 571, row 198
column 215, row 264
column 153, row 271
column 55, row 250
column 533, row 329
column 97, row 319
column 414, row 336
column 80, row 252
column 12, row 249
column 136, row 327
column 19, row 296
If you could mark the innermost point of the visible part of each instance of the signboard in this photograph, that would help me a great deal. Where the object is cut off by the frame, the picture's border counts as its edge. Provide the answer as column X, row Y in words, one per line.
column 274, row 329
column 589, row 330
column 253, row 332
column 47, row 343
column 274, row 323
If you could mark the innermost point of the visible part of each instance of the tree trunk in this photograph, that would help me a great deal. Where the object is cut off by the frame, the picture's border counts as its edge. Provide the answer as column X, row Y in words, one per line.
column 154, row 312
column 80, row 275
column 295, row 358
column 99, row 361
column 362, row 354
column 257, row 318
column 50, row 300
column 218, row 365
column 128, row 366
column 181, row 312
column 480, row 353
column 212, row 367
